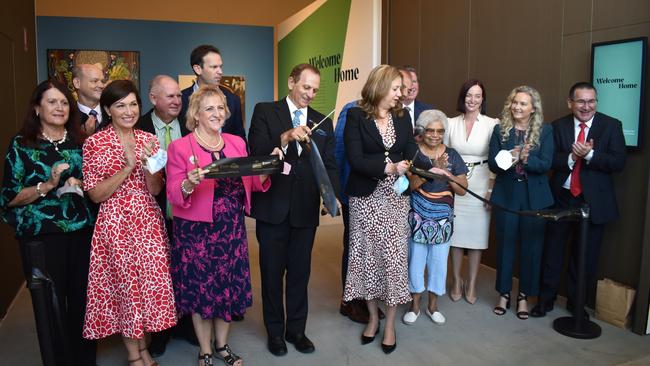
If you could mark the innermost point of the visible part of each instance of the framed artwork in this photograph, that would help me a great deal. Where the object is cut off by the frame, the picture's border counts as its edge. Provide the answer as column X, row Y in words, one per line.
column 235, row 84
column 116, row 65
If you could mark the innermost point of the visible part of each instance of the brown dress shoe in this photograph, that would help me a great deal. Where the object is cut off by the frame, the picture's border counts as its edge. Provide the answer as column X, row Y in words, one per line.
column 356, row 310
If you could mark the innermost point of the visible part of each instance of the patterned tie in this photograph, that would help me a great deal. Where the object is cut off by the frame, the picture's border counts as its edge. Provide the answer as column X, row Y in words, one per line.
column 168, row 140
column 296, row 118
column 93, row 113
column 576, row 186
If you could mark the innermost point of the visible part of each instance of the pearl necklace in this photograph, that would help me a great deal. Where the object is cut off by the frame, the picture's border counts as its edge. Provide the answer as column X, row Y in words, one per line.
column 56, row 143
column 206, row 144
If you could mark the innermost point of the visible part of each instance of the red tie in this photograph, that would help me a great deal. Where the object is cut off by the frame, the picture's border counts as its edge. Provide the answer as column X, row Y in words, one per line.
column 576, row 186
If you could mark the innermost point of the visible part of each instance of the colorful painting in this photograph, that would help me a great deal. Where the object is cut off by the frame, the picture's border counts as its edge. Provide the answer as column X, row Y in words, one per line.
column 116, row 65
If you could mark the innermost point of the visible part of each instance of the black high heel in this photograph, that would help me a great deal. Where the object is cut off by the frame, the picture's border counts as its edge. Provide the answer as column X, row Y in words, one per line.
column 365, row 339
column 498, row 310
column 523, row 315
column 389, row 348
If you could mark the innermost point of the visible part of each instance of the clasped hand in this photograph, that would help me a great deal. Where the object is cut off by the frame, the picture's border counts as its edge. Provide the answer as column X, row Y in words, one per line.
column 581, row 149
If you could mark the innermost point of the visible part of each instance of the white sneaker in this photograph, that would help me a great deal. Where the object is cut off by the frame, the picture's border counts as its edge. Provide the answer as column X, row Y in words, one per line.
column 436, row 317
column 410, row 317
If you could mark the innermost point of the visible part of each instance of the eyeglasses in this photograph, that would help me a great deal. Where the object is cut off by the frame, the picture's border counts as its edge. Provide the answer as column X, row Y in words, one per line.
column 582, row 102
column 431, row 131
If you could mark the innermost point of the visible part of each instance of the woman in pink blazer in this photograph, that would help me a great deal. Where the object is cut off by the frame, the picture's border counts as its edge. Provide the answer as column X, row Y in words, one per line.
column 210, row 266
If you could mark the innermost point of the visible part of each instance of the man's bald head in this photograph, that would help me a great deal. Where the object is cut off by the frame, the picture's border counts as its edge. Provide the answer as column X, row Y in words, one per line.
column 88, row 80
column 165, row 95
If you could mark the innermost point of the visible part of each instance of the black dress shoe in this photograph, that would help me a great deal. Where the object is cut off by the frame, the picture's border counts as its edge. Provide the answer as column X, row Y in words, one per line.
column 389, row 348
column 366, row 339
column 302, row 343
column 277, row 346
column 540, row 310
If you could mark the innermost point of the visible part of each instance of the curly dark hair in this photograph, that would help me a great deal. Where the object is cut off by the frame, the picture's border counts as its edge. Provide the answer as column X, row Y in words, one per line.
column 31, row 127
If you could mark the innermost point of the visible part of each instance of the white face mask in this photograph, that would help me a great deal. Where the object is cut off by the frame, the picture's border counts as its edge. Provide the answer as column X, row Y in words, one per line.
column 504, row 159
column 401, row 184
column 157, row 161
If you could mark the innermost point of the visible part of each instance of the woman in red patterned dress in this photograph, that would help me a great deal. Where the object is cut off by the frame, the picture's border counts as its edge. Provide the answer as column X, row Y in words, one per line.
column 129, row 285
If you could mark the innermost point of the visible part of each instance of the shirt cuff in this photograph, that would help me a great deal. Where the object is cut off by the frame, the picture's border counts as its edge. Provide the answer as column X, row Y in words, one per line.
column 570, row 162
column 589, row 156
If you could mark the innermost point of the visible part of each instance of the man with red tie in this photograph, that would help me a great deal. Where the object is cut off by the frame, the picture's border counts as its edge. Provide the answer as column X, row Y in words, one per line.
column 589, row 149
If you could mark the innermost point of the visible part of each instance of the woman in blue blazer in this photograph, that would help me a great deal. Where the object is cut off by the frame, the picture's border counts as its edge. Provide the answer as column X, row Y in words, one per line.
column 522, row 186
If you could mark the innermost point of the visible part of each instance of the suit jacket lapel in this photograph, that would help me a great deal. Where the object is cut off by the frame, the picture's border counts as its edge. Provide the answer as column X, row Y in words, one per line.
column 596, row 129
column 371, row 130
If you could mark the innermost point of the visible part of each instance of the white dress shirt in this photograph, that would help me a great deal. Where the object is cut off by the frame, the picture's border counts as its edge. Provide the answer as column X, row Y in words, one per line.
column 411, row 109
column 86, row 110
column 303, row 121
column 587, row 158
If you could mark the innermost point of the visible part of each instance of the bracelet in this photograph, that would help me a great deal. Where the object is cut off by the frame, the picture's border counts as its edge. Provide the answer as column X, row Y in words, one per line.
column 185, row 191
column 489, row 190
column 38, row 189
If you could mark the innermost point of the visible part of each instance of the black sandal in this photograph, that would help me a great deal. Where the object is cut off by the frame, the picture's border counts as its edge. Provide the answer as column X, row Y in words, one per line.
column 206, row 358
column 523, row 315
column 230, row 358
column 498, row 310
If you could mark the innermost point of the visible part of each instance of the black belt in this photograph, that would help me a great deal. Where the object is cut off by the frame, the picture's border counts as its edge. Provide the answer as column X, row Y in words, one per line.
column 471, row 165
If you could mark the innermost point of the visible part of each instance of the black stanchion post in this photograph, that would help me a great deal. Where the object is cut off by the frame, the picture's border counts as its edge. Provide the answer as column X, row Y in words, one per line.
column 41, row 303
column 578, row 326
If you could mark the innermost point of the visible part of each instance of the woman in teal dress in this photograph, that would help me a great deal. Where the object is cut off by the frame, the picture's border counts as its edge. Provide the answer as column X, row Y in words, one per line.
column 41, row 198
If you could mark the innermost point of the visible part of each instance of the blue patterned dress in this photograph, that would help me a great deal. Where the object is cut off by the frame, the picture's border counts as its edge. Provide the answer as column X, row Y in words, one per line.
column 210, row 265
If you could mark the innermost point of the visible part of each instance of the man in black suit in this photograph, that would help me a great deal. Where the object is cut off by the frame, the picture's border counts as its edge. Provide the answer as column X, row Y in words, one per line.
column 207, row 65
column 163, row 121
column 288, row 213
column 589, row 148
column 411, row 103
column 88, row 81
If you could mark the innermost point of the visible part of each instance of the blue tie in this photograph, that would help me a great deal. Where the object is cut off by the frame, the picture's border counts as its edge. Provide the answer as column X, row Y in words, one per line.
column 296, row 118
column 93, row 113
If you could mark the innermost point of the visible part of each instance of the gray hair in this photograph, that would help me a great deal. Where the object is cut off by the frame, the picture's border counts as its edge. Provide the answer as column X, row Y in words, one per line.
column 429, row 116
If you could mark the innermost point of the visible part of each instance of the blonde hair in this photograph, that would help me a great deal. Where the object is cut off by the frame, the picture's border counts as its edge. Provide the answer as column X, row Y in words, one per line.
column 536, row 118
column 195, row 103
column 376, row 88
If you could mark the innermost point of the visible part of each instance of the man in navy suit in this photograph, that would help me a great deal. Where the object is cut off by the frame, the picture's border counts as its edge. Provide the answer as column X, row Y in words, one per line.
column 288, row 213
column 207, row 65
column 589, row 149
column 88, row 82
column 411, row 103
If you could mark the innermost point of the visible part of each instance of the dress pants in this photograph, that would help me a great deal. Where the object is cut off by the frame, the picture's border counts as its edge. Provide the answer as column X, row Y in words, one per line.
column 557, row 233
column 67, row 258
column 285, row 251
column 529, row 233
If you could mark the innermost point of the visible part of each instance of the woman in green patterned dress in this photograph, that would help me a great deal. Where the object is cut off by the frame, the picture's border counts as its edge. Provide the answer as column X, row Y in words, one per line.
column 42, row 199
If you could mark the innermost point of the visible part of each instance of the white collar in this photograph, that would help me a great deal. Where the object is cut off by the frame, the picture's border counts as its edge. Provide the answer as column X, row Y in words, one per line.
column 293, row 108
column 576, row 122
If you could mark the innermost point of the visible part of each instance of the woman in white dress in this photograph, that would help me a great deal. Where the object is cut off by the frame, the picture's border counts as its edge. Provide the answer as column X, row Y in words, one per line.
column 469, row 134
